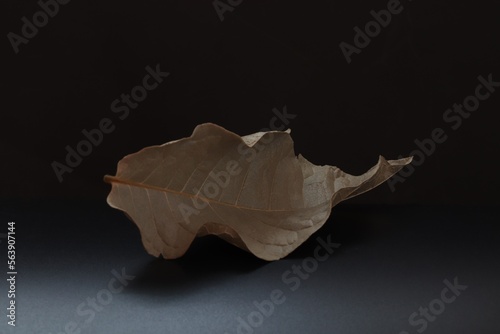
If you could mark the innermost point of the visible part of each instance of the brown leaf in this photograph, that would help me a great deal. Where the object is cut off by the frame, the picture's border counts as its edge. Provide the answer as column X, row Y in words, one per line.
column 251, row 191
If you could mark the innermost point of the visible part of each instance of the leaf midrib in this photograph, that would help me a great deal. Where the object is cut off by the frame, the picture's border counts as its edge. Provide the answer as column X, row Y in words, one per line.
column 113, row 179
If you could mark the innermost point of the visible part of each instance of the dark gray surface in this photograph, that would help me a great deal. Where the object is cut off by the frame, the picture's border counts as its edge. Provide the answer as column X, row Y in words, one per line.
column 391, row 261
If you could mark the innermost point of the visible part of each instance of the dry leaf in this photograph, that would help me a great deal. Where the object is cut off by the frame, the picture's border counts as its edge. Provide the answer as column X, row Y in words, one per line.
column 251, row 191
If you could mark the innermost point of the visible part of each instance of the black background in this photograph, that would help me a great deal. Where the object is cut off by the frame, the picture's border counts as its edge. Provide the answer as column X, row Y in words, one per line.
column 263, row 55
column 233, row 73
